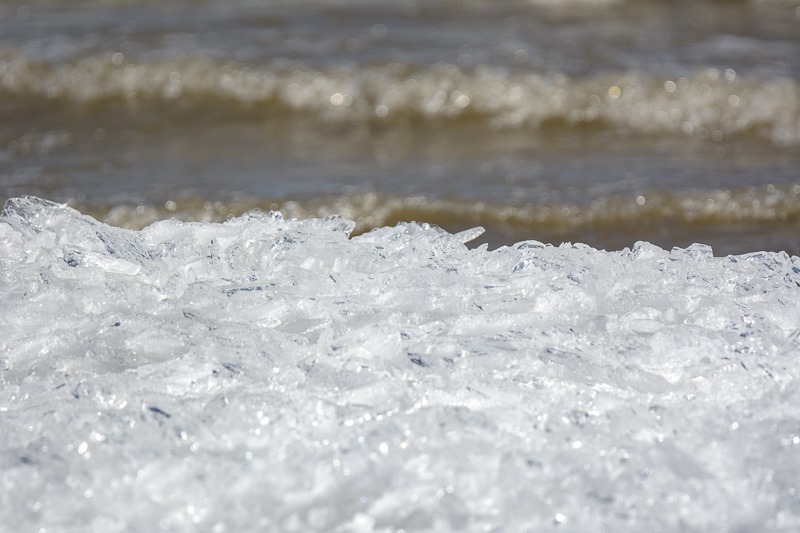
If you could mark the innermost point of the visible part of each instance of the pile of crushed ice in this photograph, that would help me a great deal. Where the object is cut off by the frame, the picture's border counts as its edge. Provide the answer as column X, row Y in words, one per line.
column 275, row 375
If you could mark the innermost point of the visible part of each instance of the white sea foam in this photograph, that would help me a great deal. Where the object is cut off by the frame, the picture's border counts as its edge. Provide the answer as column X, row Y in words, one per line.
column 276, row 375
column 707, row 104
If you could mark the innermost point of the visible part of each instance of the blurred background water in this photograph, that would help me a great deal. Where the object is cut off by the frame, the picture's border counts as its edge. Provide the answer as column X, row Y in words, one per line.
column 604, row 122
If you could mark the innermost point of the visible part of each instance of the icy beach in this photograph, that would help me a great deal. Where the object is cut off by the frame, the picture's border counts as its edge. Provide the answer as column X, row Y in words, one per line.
column 277, row 375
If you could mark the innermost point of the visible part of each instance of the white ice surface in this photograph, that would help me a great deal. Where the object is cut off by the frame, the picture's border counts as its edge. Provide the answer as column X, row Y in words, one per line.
column 273, row 375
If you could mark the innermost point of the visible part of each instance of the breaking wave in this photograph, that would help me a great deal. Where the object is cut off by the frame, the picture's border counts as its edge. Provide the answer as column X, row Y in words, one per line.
column 710, row 103
column 769, row 204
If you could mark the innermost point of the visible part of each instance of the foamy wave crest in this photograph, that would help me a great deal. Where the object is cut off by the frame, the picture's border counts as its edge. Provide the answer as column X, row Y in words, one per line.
column 770, row 204
column 710, row 104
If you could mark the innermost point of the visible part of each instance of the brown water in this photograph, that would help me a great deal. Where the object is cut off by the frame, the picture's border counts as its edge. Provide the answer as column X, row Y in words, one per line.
column 596, row 122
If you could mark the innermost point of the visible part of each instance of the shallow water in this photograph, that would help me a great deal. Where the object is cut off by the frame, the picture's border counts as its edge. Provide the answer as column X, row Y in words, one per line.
column 599, row 122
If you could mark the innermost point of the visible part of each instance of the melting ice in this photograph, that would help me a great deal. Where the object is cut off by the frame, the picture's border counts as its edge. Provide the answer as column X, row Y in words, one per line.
column 276, row 375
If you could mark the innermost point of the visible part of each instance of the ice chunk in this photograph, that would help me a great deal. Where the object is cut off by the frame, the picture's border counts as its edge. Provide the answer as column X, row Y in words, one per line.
column 279, row 375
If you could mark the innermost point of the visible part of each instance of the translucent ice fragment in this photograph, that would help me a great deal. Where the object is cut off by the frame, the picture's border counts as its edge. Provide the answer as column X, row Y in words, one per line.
column 469, row 234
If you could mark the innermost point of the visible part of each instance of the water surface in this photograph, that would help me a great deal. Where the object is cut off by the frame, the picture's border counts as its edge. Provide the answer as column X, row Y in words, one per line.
column 598, row 122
